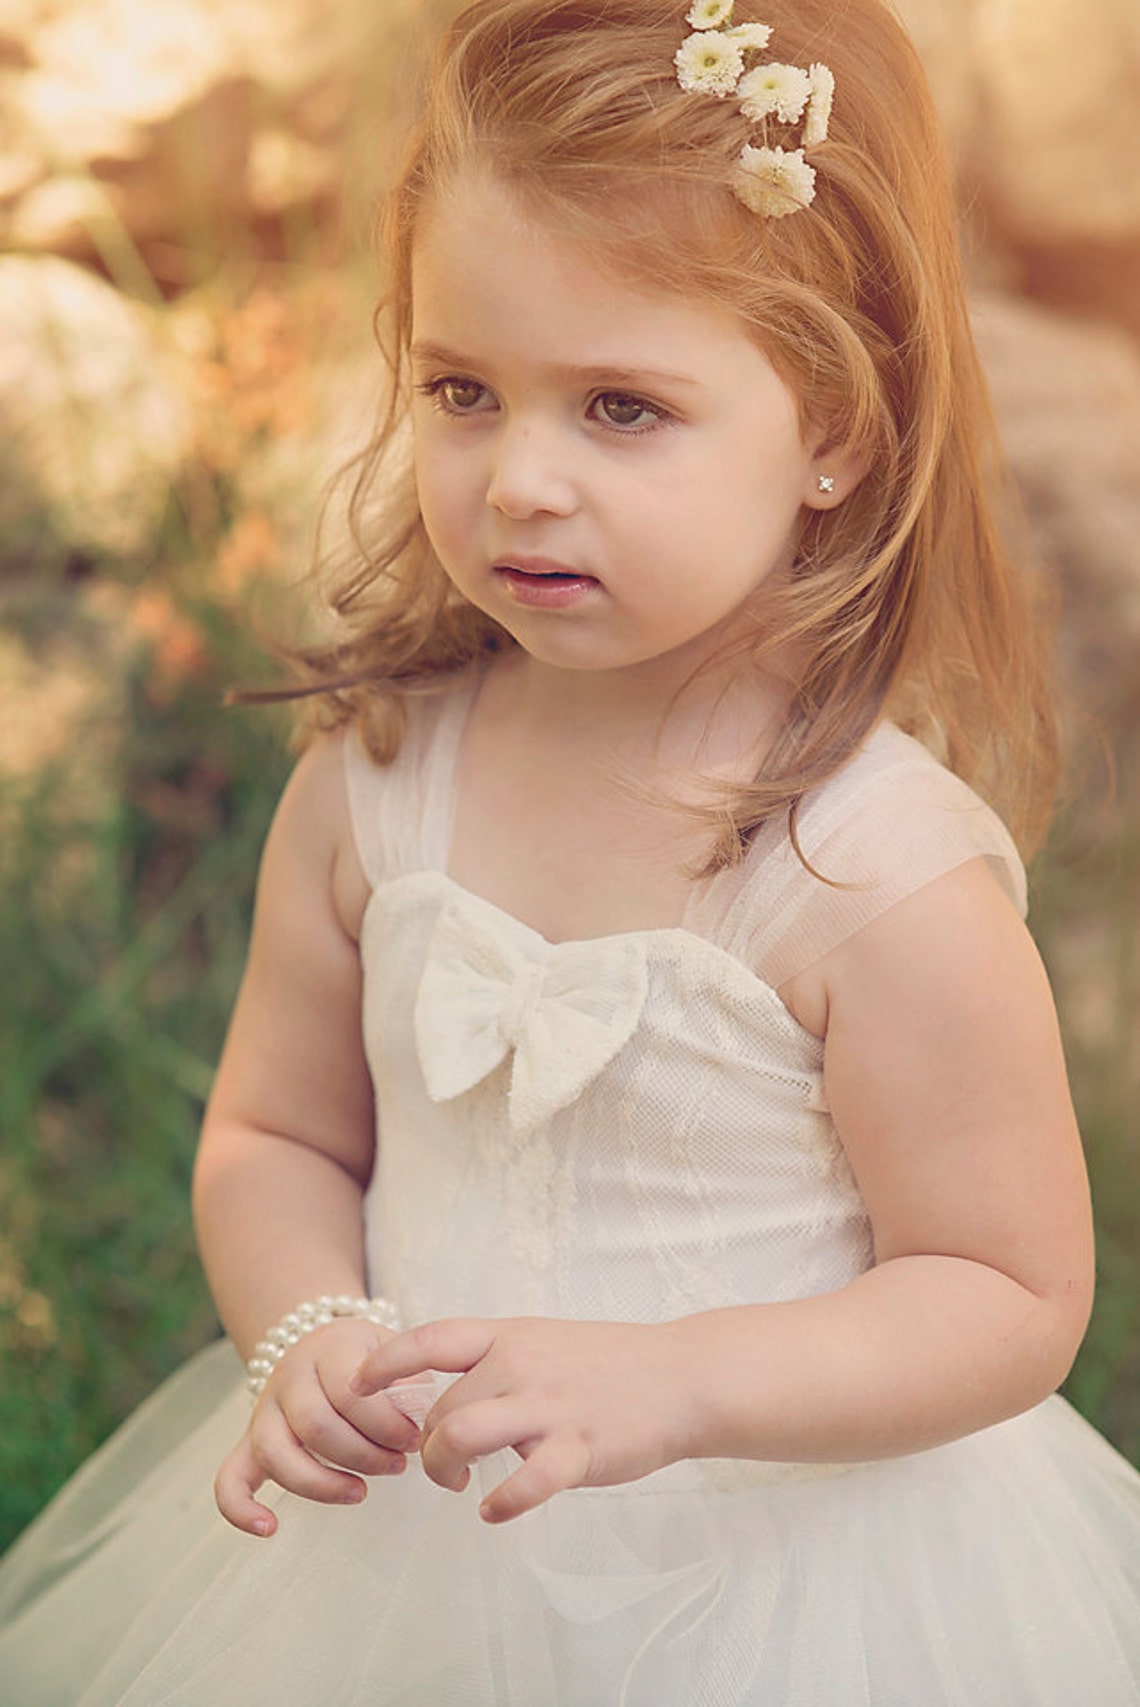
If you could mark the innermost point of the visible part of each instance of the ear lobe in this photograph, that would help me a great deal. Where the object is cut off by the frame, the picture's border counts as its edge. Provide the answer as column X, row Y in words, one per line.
column 834, row 474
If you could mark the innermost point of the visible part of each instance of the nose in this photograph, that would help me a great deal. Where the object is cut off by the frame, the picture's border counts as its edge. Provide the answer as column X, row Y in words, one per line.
column 530, row 473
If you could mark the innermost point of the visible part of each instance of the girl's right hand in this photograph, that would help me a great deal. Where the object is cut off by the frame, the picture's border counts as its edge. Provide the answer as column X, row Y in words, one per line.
column 310, row 1434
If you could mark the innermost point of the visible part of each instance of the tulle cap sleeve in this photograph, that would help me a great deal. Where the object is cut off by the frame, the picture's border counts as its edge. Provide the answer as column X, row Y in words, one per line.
column 886, row 825
column 401, row 813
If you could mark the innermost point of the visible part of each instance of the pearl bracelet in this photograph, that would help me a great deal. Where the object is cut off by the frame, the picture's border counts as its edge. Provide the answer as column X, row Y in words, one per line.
column 268, row 1352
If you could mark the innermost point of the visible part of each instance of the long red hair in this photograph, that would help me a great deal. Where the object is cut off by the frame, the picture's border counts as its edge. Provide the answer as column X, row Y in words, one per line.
column 904, row 600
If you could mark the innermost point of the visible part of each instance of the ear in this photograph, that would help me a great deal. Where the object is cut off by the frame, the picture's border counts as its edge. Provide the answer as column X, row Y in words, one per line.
column 834, row 471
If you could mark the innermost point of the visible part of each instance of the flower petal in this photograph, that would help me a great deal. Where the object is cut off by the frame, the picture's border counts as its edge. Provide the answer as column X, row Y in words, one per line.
column 750, row 36
column 819, row 105
column 709, row 14
column 774, row 181
column 708, row 64
column 775, row 88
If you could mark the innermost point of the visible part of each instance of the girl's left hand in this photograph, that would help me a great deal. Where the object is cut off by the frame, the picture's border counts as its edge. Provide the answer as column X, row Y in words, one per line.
column 584, row 1404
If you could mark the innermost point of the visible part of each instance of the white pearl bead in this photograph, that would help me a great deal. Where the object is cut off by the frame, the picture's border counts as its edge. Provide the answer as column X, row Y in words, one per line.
column 305, row 1319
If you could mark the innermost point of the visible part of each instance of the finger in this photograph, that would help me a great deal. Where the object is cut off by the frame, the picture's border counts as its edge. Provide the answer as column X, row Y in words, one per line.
column 237, row 1481
column 451, row 1346
column 372, row 1438
column 282, row 1458
column 339, row 1443
column 557, row 1463
column 454, row 1438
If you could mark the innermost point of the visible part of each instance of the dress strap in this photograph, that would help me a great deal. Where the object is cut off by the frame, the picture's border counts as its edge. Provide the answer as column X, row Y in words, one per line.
column 886, row 825
column 402, row 812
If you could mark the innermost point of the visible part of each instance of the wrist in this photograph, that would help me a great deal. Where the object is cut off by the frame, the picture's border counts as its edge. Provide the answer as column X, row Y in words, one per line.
column 306, row 1318
column 691, row 1431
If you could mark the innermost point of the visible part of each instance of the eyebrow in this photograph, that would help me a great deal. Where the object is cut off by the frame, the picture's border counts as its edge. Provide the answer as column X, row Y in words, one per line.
column 586, row 374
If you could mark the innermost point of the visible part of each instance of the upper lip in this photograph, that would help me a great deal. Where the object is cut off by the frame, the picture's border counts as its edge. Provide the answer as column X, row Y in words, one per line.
column 532, row 565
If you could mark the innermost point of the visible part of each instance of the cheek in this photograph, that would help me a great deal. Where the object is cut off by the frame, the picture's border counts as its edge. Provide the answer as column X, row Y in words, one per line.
column 433, row 490
column 446, row 479
column 433, row 512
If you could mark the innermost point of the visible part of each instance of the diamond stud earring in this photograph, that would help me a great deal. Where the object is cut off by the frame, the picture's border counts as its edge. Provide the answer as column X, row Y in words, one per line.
column 827, row 483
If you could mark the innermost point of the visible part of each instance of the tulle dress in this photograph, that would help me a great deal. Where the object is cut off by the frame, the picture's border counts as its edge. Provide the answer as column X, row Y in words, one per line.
column 635, row 1128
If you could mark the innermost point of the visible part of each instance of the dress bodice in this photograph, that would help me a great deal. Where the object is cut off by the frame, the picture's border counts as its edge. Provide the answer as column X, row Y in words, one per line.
column 632, row 1126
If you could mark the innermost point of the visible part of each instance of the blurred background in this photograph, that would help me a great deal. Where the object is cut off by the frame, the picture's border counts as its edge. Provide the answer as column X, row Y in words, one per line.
column 185, row 357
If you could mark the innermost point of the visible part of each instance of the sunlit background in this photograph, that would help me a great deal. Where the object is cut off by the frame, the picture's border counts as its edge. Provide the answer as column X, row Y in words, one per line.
column 185, row 289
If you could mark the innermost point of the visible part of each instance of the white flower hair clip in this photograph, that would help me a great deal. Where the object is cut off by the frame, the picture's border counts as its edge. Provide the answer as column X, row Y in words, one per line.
column 769, row 181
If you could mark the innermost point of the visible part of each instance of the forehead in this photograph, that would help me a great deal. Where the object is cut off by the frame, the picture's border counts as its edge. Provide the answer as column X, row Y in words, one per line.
column 488, row 270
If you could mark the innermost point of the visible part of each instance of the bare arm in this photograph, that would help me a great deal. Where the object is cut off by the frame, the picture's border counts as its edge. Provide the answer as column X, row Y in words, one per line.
column 286, row 1146
column 285, row 1156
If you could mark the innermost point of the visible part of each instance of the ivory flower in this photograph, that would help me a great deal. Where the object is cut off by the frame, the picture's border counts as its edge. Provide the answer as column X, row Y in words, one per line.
column 819, row 105
column 708, row 64
column 779, row 89
column 709, row 14
column 774, row 181
column 747, row 36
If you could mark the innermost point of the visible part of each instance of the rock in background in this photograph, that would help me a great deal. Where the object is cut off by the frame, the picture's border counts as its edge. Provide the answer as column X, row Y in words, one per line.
column 1041, row 100
column 1067, row 392
column 1058, row 155
column 94, row 414
column 179, row 124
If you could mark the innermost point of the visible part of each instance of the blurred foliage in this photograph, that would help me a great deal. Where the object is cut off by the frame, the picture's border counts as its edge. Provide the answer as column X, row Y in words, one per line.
column 123, row 915
column 1086, row 917
column 133, row 804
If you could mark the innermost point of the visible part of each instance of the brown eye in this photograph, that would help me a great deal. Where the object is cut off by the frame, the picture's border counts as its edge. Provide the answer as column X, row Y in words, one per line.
column 623, row 409
column 460, row 395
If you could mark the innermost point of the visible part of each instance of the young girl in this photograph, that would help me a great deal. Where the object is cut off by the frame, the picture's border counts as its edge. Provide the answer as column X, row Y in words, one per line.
column 643, row 1113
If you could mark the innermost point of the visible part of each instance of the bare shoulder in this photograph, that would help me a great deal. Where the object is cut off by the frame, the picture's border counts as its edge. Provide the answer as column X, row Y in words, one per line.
column 293, row 1063
column 312, row 837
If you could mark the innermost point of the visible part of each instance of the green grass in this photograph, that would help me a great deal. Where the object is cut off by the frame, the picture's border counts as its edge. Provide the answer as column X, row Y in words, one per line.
column 1088, row 923
column 124, row 910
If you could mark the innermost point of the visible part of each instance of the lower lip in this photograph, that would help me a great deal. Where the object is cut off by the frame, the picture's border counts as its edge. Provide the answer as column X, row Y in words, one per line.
column 552, row 592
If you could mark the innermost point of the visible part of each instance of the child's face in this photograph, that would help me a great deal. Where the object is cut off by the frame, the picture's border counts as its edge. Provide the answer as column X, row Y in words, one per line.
column 607, row 471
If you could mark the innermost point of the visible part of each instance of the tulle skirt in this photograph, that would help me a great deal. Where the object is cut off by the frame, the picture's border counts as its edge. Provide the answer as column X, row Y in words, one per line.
column 1001, row 1571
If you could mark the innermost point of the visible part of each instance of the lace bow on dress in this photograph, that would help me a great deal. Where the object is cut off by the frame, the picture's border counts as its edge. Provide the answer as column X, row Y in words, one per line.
column 559, row 1011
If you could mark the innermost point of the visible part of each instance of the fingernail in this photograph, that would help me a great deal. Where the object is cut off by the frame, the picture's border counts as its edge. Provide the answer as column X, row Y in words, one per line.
column 358, row 1385
column 262, row 1526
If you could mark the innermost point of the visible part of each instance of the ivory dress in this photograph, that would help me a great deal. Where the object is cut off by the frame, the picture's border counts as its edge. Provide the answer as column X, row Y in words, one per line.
column 635, row 1128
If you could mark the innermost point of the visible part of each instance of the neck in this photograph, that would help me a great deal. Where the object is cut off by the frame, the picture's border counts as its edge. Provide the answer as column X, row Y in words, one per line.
column 654, row 714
